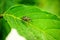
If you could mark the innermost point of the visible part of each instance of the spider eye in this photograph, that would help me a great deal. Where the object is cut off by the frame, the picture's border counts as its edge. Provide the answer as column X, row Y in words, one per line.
column 25, row 18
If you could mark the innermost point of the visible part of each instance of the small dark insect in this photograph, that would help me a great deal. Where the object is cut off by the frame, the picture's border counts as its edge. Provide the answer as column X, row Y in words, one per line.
column 25, row 18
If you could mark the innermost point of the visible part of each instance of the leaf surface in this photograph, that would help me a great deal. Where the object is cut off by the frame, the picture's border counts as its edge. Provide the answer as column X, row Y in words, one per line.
column 42, row 26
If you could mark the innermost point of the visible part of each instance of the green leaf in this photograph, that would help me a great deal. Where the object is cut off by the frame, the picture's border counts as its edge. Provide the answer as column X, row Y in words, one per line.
column 4, row 29
column 41, row 26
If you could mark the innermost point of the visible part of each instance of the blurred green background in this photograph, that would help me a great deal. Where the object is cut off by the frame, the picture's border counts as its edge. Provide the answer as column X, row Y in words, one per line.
column 51, row 6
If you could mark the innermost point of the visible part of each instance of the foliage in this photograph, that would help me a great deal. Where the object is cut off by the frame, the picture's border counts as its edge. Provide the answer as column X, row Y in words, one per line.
column 41, row 26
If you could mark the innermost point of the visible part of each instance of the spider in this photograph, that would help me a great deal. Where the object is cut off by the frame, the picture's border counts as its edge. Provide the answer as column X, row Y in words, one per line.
column 25, row 18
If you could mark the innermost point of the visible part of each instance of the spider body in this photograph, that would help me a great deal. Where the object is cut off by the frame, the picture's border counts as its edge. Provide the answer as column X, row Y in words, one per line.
column 25, row 18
